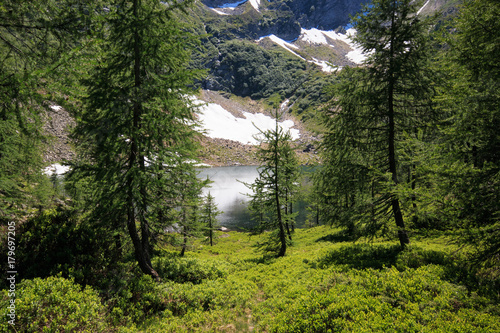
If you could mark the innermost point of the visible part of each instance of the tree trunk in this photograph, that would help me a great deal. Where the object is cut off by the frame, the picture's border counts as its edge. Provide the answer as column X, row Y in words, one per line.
column 277, row 198
column 211, row 230
column 144, row 263
column 287, row 225
column 141, row 246
column 317, row 214
column 396, row 209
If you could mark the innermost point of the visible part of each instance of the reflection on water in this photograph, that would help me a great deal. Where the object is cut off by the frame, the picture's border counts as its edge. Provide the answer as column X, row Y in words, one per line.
column 230, row 194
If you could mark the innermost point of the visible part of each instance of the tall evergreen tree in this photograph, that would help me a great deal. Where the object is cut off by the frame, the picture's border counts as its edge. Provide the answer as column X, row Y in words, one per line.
column 278, row 177
column 470, row 97
column 374, row 108
column 136, row 131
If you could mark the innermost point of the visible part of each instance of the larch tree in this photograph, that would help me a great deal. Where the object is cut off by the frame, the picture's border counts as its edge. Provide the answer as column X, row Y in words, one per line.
column 277, row 180
column 209, row 217
column 373, row 110
column 470, row 97
column 136, row 134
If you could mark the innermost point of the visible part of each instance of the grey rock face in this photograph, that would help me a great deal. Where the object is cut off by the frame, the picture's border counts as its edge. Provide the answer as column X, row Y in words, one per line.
column 293, row 14
column 324, row 14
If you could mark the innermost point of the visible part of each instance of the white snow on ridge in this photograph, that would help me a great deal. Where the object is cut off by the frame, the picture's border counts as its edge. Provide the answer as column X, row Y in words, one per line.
column 313, row 36
column 218, row 11
column 255, row 4
column 356, row 56
column 284, row 44
column 325, row 66
column 220, row 123
column 233, row 5
column 317, row 36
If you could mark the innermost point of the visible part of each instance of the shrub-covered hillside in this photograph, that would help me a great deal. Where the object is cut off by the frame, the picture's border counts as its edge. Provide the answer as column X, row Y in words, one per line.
column 326, row 283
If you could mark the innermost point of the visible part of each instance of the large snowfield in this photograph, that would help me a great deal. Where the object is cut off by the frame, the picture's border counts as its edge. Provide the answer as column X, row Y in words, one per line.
column 220, row 123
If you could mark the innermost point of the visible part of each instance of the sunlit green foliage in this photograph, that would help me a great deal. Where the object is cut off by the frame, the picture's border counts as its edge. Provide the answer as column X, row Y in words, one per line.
column 275, row 188
column 54, row 304
column 209, row 218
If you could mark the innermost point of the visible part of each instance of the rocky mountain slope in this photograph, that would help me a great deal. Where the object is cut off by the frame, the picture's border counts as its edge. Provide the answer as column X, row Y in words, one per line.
column 260, row 53
column 261, row 47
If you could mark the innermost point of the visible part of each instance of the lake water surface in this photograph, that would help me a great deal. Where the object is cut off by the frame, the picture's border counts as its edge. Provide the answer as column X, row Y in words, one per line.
column 231, row 195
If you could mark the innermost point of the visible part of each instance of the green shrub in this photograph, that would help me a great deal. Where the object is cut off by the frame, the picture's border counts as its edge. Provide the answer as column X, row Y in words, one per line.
column 137, row 299
column 208, row 296
column 361, row 256
column 414, row 257
column 55, row 241
column 190, row 269
column 387, row 300
column 54, row 304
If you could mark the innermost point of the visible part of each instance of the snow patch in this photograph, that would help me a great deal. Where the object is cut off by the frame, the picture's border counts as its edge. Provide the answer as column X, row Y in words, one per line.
column 220, row 123
column 255, row 4
column 284, row 104
column 218, row 11
column 56, row 169
column 232, row 4
column 313, row 36
column 356, row 56
column 325, row 66
column 316, row 36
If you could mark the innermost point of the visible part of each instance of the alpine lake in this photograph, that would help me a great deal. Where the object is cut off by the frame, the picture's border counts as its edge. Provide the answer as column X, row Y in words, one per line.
column 232, row 196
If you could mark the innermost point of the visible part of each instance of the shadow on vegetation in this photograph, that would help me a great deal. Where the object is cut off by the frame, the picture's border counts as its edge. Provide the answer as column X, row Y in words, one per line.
column 456, row 268
column 338, row 237
column 361, row 256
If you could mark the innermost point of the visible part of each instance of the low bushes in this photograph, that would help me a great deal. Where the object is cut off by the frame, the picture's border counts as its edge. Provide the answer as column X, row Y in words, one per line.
column 54, row 304
column 190, row 269
column 415, row 300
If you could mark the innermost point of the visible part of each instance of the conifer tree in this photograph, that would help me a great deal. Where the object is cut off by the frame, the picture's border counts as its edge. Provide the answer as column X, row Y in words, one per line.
column 278, row 176
column 470, row 97
column 136, row 131
column 373, row 109
column 209, row 217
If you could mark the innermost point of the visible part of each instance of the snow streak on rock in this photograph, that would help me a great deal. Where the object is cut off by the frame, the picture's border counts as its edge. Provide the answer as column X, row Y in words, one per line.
column 56, row 169
column 425, row 4
column 255, row 4
column 284, row 44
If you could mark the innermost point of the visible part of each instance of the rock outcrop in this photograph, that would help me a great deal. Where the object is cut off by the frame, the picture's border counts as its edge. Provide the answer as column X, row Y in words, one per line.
column 57, row 125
